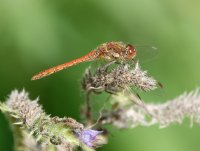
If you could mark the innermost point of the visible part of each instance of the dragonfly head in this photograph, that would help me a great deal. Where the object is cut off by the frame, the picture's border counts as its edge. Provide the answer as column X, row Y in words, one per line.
column 130, row 51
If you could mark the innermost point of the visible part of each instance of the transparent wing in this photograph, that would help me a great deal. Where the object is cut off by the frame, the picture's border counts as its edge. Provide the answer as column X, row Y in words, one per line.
column 146, row 53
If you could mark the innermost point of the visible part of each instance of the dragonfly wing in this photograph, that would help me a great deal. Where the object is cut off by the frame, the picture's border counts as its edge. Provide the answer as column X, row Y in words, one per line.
column 146, row 53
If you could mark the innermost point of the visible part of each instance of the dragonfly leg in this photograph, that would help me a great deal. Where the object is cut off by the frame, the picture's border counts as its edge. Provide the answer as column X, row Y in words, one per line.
column 105, row 67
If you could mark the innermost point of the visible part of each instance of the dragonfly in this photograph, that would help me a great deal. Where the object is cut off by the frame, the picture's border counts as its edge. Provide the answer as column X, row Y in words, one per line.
column 109, row 51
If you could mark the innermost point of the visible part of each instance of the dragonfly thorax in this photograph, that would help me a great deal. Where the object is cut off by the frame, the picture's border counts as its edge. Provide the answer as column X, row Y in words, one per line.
column 116, row 51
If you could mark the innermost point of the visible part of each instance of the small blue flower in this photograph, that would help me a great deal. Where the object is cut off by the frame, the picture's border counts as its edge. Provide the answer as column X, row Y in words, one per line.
column 88, row 136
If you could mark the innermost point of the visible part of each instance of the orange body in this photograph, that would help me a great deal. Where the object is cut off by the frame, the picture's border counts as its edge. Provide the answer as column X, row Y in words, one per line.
column 109, row 51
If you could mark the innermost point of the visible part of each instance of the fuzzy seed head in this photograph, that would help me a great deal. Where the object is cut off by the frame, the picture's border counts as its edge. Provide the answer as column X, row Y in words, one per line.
column 29, row 111
column 118, row 78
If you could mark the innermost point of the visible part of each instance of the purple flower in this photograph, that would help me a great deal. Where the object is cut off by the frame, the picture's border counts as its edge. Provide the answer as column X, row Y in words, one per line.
column 88, row 136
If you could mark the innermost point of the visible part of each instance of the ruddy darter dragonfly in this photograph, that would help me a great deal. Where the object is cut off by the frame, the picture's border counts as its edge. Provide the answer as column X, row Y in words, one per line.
column 110, row 51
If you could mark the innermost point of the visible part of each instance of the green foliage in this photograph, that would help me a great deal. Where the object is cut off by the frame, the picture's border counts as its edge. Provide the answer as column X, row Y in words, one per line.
column 35, row 35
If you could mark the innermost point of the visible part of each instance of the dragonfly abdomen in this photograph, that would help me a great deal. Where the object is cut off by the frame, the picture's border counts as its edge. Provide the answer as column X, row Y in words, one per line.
column 88, row 57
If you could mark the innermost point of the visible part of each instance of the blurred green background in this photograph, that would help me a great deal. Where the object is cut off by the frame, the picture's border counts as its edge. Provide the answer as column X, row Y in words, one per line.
column 37, row 34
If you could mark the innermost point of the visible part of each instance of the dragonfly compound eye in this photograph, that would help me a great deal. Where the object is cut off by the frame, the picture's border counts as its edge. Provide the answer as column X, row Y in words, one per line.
column 131, row 51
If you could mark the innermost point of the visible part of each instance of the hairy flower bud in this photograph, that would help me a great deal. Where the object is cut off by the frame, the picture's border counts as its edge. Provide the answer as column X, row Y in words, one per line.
column 117, row 79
